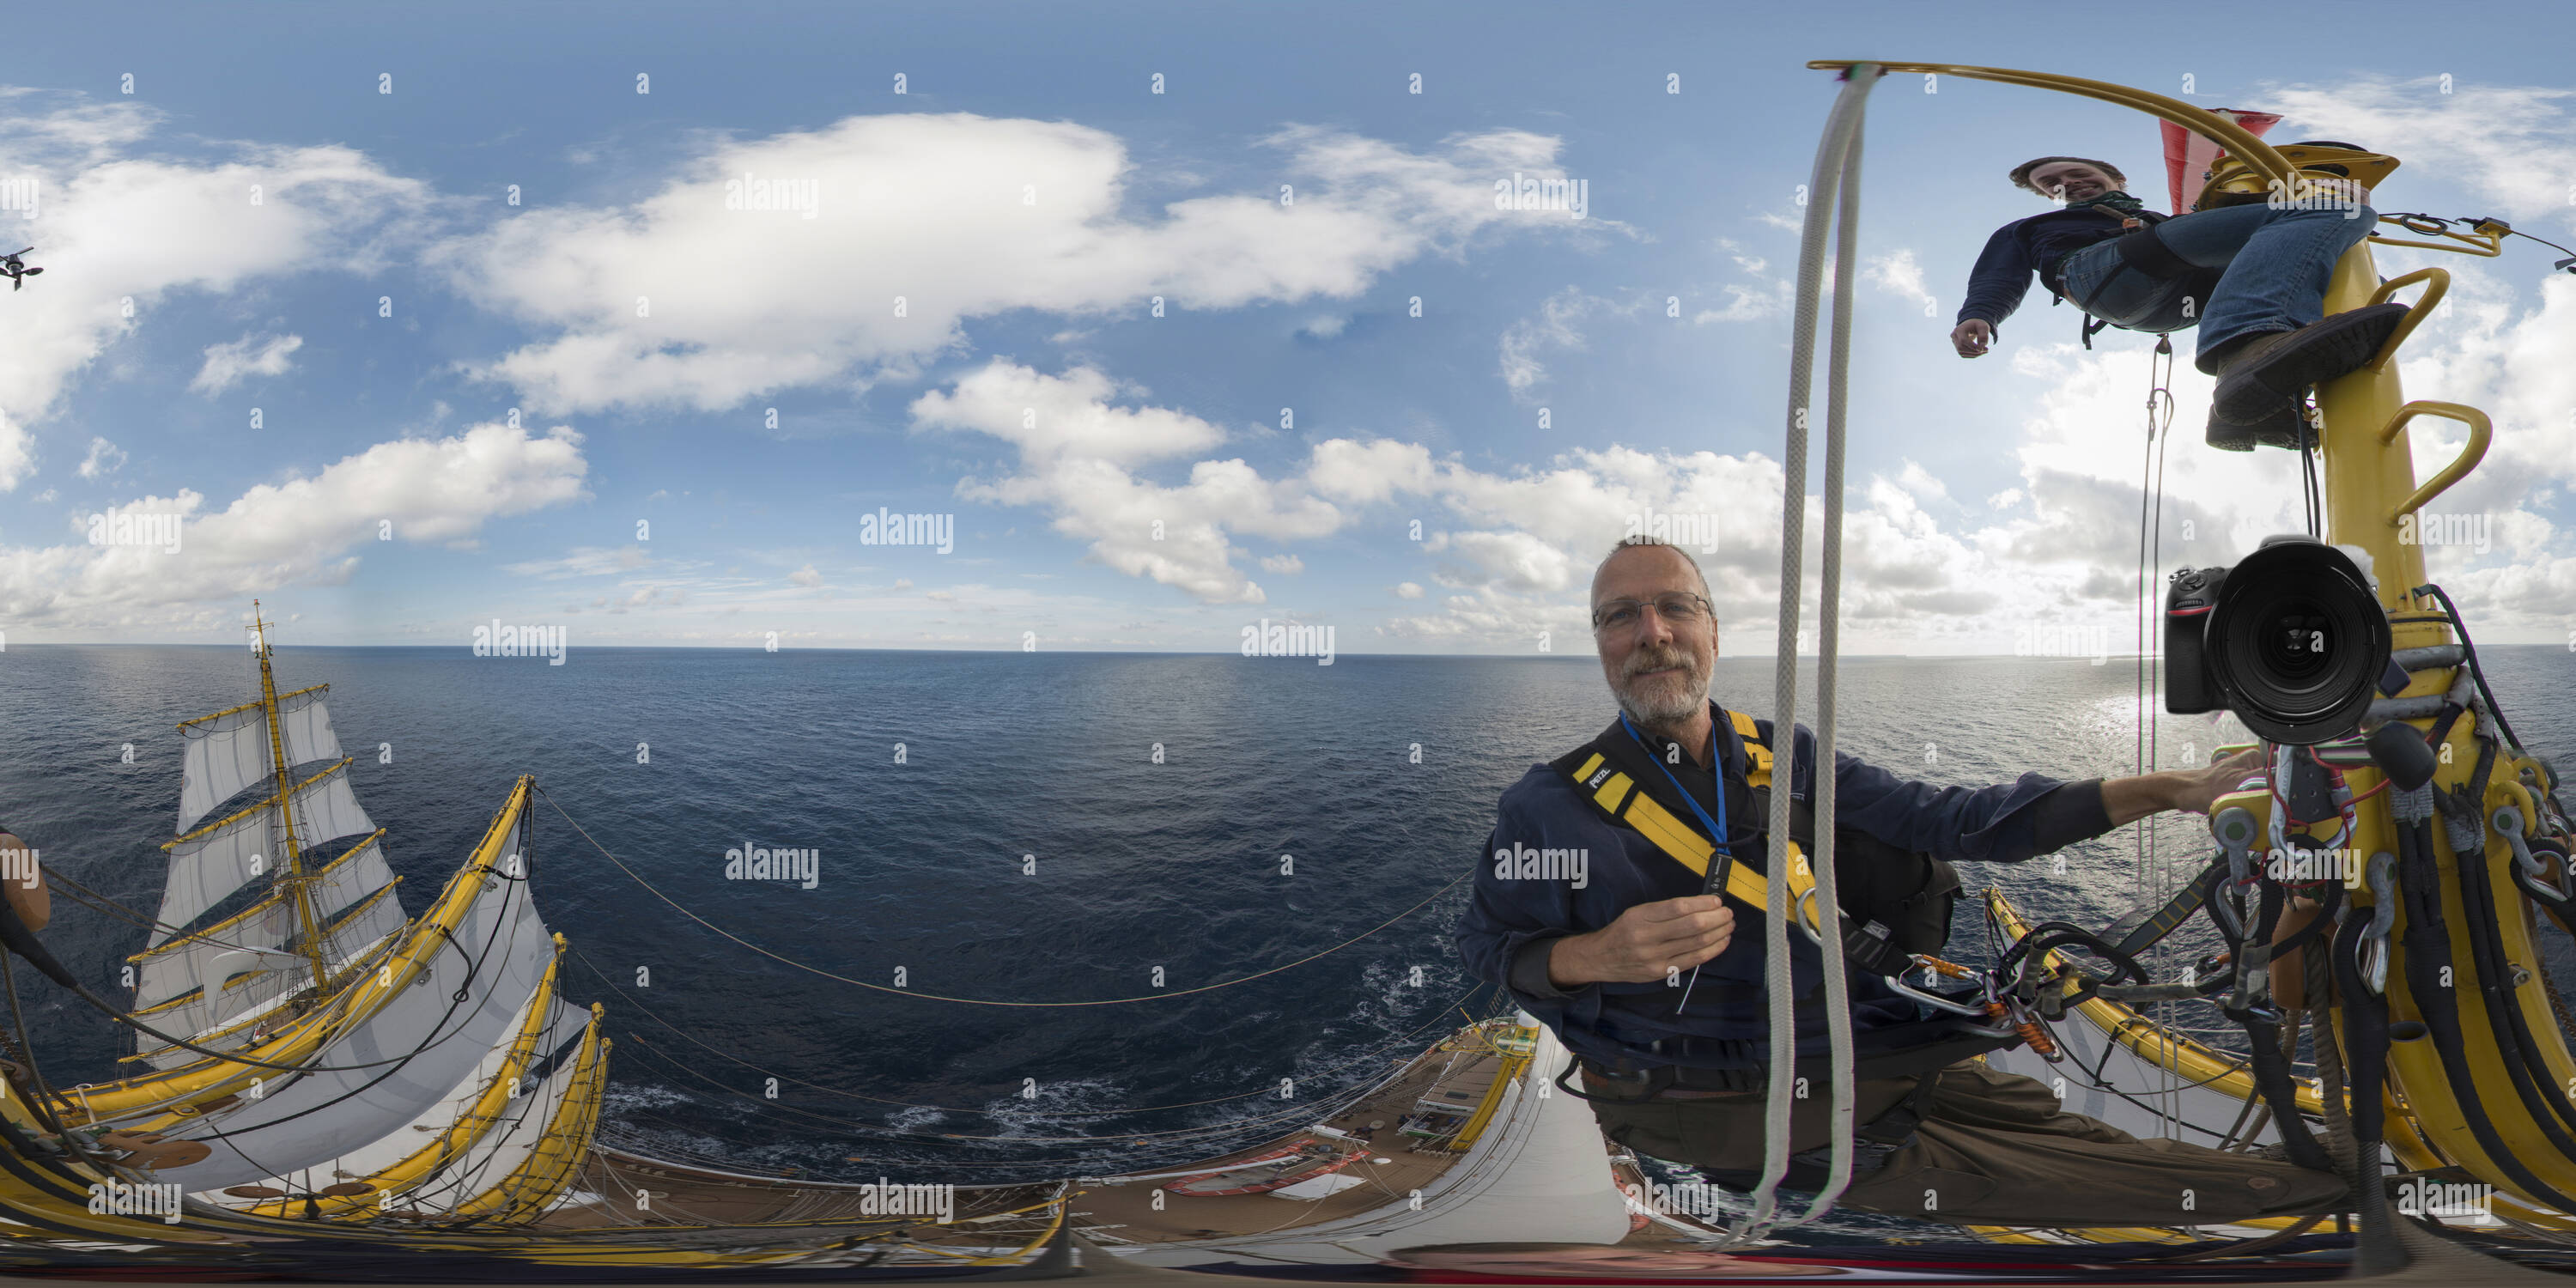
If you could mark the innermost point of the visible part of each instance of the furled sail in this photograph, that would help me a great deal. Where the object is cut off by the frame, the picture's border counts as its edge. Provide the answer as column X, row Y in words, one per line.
column 498, row 951
column 228, row 751
column 210, row 863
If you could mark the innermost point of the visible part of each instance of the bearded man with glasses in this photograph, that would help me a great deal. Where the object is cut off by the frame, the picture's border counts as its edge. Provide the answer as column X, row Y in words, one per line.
column 1591, row 917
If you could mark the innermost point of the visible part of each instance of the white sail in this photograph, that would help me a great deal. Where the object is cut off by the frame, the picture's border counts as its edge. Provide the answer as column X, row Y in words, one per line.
column 306, row 723
column 212, row 862
column 365, row 1159
column 521, row 1130
column 208, row 864
column 228, row 751
column 223, row 754
column 499, row 951
column 179, row 966
column 351, row 877
column 240, row 983
column 326, row 808
column 360, row 931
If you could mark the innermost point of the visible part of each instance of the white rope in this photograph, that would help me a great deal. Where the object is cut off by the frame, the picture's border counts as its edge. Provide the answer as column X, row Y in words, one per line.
column 1836, row 175
column 1828, row 649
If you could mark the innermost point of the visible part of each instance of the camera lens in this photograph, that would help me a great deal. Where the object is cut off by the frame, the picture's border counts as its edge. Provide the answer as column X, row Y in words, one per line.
column 2297, row 642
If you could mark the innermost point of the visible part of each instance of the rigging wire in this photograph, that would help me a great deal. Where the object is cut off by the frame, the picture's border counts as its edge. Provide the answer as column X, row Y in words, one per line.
column 979, row 1001
column 108, row 906
column 44, row 960
column 43, row 1101
column 627, row 999
column 431, row 1039
column 2149, row 867
column 473, row 969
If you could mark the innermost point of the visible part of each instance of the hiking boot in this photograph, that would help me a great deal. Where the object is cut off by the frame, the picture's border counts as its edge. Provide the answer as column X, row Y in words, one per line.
column 2280, row 429
column 2254, row 378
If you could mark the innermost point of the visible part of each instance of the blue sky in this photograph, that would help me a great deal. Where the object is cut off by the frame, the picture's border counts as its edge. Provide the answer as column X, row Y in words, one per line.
column 1028, row 196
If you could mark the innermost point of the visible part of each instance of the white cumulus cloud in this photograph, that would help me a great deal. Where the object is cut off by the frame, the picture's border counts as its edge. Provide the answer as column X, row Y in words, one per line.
column 301, row 531
column 228, row 364
column 956, row 216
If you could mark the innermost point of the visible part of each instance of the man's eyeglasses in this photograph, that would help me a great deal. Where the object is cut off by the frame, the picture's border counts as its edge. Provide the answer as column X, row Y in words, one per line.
column 1677, row 609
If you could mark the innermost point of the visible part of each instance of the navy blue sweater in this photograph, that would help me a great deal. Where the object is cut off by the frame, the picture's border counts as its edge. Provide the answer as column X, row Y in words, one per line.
column 2034, row 245
column 2005, row 823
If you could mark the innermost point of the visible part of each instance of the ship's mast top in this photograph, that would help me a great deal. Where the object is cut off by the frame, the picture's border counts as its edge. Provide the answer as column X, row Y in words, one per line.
column 292, row 871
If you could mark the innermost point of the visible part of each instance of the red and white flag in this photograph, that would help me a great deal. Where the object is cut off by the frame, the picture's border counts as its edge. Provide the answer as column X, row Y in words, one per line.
column 2189, row 157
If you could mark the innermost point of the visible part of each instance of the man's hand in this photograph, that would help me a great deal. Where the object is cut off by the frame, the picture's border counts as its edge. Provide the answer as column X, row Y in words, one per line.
column 1648, row 942
column 2198, row 791
column 2126, row 800
column 1972, row 337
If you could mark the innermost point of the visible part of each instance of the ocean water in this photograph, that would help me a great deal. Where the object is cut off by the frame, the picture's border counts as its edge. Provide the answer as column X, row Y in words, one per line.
column 1029, row 848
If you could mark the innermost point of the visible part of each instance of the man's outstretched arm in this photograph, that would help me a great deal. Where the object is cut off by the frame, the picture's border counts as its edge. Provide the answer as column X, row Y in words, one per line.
column 2127, row 800
column 1995, row 288
column 2011, row 822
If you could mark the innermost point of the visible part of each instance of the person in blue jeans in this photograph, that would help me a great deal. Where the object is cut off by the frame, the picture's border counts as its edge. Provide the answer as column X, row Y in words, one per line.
column 2252, row 277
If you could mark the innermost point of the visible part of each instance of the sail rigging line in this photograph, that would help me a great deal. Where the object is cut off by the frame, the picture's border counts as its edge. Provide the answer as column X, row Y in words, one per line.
column 979, row 1001
column 2149, row 867
column 473, row 968
column 1379, row 1053
column 467, row 1180
column 43, row 1101
column 53, row 969
column 106, row 906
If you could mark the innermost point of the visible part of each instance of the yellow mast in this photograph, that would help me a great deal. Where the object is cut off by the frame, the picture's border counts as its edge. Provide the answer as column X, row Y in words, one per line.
column 293, row 880
column 2370, row 490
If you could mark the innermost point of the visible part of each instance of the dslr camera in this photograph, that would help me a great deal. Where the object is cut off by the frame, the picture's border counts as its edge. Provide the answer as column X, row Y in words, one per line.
column 2292, row 639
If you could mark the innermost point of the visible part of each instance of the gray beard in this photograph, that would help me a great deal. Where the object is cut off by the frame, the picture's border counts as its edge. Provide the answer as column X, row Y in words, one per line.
column 1654, row 715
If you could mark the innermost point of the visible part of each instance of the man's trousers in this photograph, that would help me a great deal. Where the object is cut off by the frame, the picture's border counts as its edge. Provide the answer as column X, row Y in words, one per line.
column 1991, row 1149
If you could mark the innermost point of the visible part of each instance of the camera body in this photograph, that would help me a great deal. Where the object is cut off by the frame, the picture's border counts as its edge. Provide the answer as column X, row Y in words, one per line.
column 2189, row 598
column 2292, row 639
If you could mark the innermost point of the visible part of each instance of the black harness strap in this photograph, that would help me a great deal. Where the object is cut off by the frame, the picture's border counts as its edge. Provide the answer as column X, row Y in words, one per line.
column 1881, row 925
column 2147, row 253
column 2176, row 911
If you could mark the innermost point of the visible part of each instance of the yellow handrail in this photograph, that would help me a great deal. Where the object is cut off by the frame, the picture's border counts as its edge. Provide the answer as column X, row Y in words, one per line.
column 2437, row 284
column 2480, row 432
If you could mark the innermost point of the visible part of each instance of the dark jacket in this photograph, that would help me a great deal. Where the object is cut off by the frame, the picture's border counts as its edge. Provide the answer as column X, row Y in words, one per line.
column 1506, row 918
column 2034, row 245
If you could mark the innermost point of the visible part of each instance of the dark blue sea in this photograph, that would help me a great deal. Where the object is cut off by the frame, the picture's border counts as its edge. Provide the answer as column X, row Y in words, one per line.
column 1139, row 866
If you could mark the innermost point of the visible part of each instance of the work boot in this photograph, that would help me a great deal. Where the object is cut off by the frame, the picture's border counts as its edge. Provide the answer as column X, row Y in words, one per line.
column 2280, row 429
column 2256, row 377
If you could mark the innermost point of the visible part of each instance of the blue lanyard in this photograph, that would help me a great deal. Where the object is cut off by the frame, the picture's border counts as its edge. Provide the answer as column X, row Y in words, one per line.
column 1716, row 826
